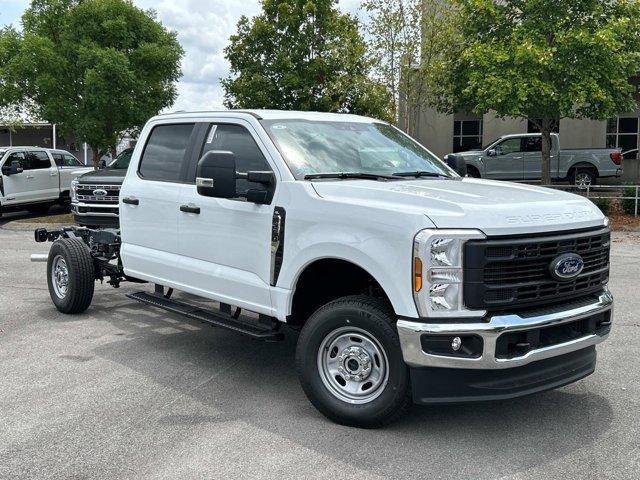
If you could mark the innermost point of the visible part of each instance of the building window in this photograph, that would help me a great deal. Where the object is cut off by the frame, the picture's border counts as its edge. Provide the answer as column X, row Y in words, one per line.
column 532, row 128
column 622, row 133
column 467, row 134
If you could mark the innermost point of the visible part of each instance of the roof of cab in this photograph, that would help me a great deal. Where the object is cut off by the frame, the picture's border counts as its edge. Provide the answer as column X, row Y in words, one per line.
column 273, row 115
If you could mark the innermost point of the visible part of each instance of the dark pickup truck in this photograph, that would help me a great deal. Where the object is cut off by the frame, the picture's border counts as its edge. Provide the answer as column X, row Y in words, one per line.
column 94, row 195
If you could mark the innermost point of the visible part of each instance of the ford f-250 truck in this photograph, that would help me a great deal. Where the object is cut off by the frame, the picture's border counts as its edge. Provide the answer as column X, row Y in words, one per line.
column 519, row 157
column 407, row 282
column 34, row 178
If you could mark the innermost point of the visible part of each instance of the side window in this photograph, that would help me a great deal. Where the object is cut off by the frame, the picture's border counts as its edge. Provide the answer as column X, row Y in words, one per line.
column 57, row 157
column 532, row 144
column 163, row 156
column 238, row 140
column 70, row 161
column 37, row 161
column 511, row 145
column 16, row 156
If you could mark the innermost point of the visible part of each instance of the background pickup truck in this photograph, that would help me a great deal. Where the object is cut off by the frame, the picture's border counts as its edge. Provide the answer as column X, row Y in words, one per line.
column 34, row 178
column 519, row 157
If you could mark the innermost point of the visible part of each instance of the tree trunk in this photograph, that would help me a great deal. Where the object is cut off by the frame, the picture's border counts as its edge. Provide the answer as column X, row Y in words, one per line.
column 545, row 130
column 96, row 158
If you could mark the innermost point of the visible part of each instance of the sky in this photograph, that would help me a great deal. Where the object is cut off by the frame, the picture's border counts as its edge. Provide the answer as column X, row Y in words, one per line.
column 203, row 28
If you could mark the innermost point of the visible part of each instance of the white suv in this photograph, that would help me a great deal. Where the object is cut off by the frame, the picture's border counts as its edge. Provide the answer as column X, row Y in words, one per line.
column 407, row 282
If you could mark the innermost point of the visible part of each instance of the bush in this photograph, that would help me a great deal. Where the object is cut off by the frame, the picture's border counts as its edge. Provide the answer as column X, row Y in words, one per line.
column 603, row 204
column 629, row 204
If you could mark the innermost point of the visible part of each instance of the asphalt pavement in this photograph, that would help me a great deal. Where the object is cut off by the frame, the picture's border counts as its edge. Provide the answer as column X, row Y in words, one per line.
column 129, row 391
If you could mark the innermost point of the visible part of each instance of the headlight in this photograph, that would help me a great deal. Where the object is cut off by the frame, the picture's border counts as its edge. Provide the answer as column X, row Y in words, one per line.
column 438, row 273
column 74, row 186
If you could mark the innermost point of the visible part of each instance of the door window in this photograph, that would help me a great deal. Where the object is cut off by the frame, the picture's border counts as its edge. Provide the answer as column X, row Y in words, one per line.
column 511, row 145
column 16, row 156
column 36, row 161
column 164, row 154
column 532, row 144
column 238, row 140
column 65, row 160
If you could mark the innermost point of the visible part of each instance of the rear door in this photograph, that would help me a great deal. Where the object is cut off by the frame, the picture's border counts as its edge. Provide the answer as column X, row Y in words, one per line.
column 149, row 204
column 532, row 153
column 508, row 162
column 225, row 249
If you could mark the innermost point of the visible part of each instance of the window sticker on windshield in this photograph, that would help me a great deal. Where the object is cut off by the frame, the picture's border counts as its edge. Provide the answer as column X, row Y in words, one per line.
column 212, row 132
column 279, row 127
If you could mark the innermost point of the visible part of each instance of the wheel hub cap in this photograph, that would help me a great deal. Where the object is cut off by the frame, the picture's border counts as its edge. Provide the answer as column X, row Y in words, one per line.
column 60, row 276
column 355, row 363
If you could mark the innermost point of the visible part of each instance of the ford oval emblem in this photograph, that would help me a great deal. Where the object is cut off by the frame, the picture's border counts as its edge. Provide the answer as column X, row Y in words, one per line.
column 100, row 192
column 566, row 267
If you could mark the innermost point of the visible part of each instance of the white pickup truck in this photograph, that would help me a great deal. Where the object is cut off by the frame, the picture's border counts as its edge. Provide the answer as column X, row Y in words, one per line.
column 34, row 178
column 407, row 282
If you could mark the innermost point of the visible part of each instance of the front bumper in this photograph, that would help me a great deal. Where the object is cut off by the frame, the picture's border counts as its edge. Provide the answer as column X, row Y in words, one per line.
column 90, row 214
column 542, row 363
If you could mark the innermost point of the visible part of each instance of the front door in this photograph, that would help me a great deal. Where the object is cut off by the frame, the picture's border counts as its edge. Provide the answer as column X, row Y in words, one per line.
column 225, row 249
column 149, row 205
column 36, row 183
column 507, row 164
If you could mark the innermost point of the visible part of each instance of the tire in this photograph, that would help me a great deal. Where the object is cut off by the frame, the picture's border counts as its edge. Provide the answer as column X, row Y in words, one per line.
column 70, row 275
column 331, row 333
column 583, row 177
column 472, row 172
column 39, row 208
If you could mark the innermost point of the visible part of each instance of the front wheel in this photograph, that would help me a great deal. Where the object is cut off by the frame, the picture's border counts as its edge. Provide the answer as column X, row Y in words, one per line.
column 350, row 363
column 70, row 275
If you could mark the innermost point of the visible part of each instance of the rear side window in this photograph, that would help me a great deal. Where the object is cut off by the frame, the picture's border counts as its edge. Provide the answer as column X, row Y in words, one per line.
column 36, row 160
column 163, row 156
column 532, row 144
column 238, row 140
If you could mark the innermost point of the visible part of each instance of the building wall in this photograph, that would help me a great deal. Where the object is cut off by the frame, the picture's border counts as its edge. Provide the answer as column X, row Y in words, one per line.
column 42, row 136
column 582, row 133
column 435, row 131
column 494, row 127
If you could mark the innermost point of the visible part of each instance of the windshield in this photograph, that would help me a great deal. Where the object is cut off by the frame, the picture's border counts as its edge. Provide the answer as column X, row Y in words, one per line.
column 315, row 147
column 491, row 143
column 121, row 162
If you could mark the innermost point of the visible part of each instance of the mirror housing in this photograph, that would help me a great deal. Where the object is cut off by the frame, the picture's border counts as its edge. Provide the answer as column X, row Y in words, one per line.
column 216, row 174
column 12, row 169
column 492, row 152
column 457, row 163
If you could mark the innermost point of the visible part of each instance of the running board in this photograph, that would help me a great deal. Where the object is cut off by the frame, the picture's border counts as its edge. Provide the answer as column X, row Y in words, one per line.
column 213, row 318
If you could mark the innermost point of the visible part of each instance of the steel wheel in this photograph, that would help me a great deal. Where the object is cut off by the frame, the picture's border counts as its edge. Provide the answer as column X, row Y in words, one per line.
column 353, row 365
column 60, row 276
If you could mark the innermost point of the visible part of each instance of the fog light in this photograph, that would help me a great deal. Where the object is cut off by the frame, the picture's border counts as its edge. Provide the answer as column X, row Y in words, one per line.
column 456, row 343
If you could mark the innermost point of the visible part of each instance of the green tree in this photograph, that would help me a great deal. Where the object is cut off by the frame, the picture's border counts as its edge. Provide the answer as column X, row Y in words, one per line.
column 94, row 67
column 543, row 60
column 302, row 55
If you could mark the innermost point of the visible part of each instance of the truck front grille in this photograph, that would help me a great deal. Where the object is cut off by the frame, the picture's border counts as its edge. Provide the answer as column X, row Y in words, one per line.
column 502, row 273
column 87, row 193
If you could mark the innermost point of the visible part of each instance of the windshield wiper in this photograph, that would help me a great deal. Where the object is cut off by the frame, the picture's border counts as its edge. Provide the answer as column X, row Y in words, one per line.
column 420, row 174
column 361, row 175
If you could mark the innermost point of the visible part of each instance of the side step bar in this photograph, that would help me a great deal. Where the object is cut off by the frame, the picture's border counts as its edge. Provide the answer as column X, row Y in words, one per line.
column 214, row 318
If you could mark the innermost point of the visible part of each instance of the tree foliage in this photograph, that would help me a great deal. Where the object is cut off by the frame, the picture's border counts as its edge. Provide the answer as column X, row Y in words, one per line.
column 543, row 60
column 302, row 55
column 94, row 67
column 407, row 40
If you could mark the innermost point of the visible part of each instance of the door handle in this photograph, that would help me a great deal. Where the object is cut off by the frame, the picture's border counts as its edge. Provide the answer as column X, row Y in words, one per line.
column 190, row 209
column 54, row 174
column 131, row 201
column 28, row 176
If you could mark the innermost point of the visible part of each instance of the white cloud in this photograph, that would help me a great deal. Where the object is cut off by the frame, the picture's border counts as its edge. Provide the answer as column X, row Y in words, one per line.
column 203, row 29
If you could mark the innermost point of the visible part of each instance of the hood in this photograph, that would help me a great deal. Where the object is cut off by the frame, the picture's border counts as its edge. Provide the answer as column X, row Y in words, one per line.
column 106, row 175
column 496, row 208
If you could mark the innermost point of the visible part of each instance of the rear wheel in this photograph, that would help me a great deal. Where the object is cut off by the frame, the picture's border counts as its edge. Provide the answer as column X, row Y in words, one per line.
column 70, row 275
column 350, row 363
column 583, row 178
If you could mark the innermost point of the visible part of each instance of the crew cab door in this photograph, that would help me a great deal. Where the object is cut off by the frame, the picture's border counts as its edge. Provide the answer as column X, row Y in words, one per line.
column 149, row 204
column 37, row 182
column 507, row 163
column 532, row 153
column 225, row 244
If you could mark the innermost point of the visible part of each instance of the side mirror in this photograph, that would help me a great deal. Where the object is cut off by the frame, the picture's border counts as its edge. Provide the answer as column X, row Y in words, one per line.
column 492, row 153
column 216, row 174
column 12, row 169
column 457, row 163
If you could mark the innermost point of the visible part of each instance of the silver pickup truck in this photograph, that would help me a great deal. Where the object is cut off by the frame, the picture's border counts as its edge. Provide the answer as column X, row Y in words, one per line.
column 519, row 157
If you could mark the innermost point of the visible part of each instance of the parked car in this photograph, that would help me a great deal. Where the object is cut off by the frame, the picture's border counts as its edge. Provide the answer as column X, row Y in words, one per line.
column 94, row 195
column 35, row 178
column 519, row 158
column 407, row 282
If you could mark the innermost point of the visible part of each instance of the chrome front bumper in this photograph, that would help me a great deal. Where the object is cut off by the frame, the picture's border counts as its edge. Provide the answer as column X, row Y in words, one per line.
column 96, row 209
column 410, row 333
